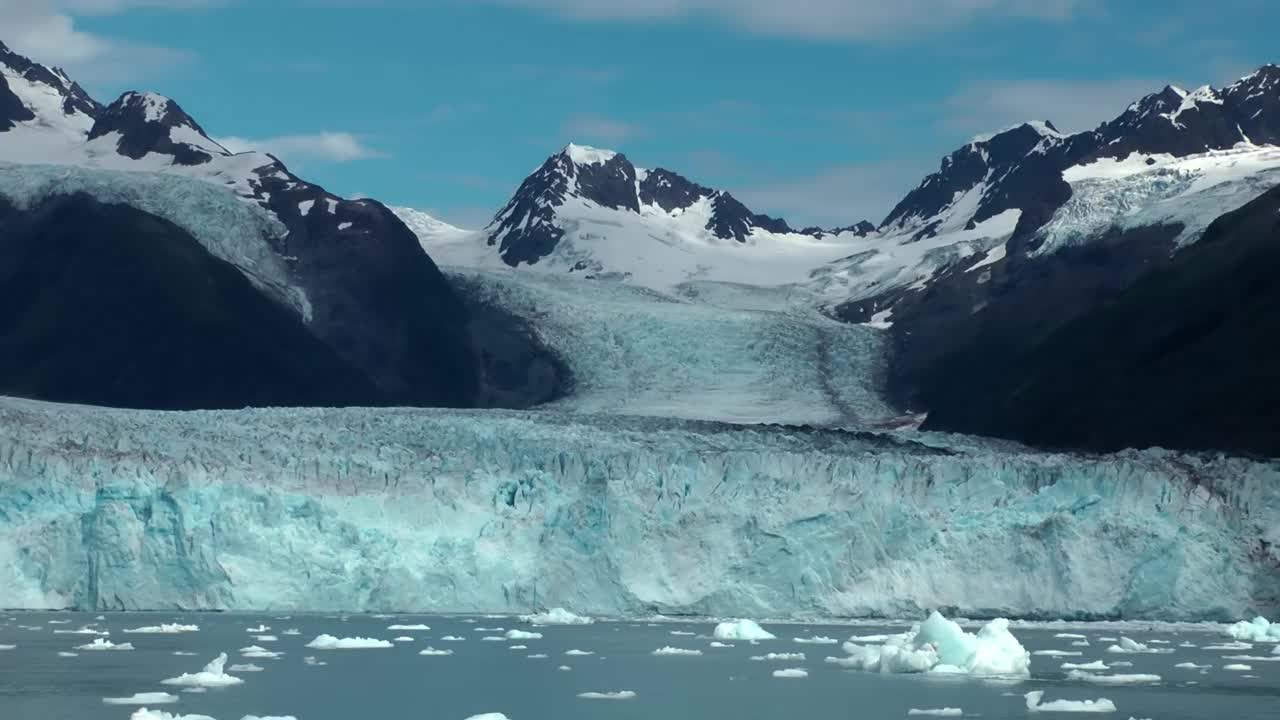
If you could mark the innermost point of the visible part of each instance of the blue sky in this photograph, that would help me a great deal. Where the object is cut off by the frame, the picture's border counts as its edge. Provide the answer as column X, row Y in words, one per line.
column 822, row 111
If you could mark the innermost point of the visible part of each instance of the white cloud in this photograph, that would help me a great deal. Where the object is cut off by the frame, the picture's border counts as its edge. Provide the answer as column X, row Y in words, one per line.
column 1069, row 104
column 600, row 129
column 853, row 19
column 837, row 196
column 322, row 146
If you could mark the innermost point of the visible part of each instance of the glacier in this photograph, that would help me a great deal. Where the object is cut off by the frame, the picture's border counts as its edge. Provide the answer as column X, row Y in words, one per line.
column 508, row 512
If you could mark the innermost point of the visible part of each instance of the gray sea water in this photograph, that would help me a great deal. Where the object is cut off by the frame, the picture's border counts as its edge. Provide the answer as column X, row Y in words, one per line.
column 485, row 676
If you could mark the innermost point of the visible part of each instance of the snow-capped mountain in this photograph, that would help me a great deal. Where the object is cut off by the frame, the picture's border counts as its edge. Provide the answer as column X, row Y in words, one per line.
column 592, row 212
column 357, row 276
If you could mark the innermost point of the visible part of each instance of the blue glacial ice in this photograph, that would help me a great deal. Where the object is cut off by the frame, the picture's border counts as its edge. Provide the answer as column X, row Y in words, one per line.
column 489, row 511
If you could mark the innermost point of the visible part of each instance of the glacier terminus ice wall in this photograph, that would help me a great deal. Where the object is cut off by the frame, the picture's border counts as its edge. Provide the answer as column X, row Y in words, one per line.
column 496, row 511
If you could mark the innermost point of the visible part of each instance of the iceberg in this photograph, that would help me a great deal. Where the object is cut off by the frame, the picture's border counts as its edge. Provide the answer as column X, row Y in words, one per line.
column 742, row 630
column 791, row 673
column 939, row 645
column 213, row 675
column 329, row 642
column 522, row 635
column 1258, row 629
column 1034, row 704
column 439, row 511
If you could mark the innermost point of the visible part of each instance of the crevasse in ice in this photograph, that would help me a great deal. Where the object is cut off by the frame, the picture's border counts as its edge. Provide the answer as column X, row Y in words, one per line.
column 423, row 510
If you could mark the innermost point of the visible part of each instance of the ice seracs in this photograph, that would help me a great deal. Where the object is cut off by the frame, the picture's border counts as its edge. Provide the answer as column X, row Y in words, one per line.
column 939, row 645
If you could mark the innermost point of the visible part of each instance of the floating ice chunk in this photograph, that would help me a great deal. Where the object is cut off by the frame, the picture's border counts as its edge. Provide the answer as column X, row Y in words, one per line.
column 718, row 644
column 1034, row 704
column 742, row 630
column 212, row 675
column 1237, row 667
column 1080, row 643
column 144, row 698
column 493, row 638
column 1258, row 629
column 329, row 642
column 417, row 628
column 793, row 673
column 522, row 635
column 257, row 652
column 100, row 644
column 778, row 657
column 942, row 646
column 537, row 656
column 147, row 714
column 1253, row 658
column 292, row 631
column 194, row 690
column 246, row 667
column 675, row 652
column 556, row 616
column 7, row 647
column 453, row 638
column 619, row 695
column 183, row 653
column 682, row 633
column 64, row 654
column 518, row 647
column 1072, row 636
column 269, row 717
column 1121, row 663
column 564, row 668
column 258, row 630
column 489, row 716
column 937, row 712
column 402, row 638
column 873, row 638
column 59, row 622
column 1137, row 679
column 1058, row 653
column 817, row 640
column 1229, row 646
column 1192, row 666
column 1095, row 665
column 1133, row 647
column 165, row 629
column 576, row 651
column 84, row 631
column 266, row 638
column 311, row 660
column 432, row 652
column 480, row 629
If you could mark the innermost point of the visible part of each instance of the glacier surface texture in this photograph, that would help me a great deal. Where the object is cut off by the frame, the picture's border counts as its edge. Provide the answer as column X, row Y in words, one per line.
column 496, row 511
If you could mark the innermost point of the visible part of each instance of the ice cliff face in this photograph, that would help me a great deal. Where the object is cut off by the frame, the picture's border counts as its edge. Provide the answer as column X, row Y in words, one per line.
column 492, row 511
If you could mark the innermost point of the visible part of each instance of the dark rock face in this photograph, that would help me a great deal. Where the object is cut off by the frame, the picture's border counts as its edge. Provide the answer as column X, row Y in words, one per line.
column 1181, row 358
column 75, row 99
column 732, row 219
column 12, row 111
column 1256, row 101
column 145, row 123
column 105, row 304
column 671, row 191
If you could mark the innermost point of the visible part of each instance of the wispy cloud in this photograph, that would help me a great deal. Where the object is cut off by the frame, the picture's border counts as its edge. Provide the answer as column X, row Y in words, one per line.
column 1071, row 105
column 595, row 128
column 323, row 146
column 834, row 19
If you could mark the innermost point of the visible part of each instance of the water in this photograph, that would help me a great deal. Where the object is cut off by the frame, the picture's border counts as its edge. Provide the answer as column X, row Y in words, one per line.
column 483, row 676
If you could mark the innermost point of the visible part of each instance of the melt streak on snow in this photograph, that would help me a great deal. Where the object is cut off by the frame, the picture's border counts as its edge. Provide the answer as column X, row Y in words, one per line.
column 421, row 510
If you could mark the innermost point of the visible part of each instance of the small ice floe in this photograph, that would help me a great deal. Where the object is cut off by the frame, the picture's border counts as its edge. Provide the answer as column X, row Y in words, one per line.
column 742, row 630
column 144, row 698
column 64, row 653
column 269, row 717
column 564, row 668
column 556, row 616
column 432, row 652
column 1121, row 663
column 939, row 645
column 329, row 642
column 493, row 638
column 937, row 712
column 1136, row 679
column 1108, row 639
column 1186, row 644
column 682, row 633
column 718, row 644
column 1229, row 646
column 1058, row 653
column 489, row 716
column 402, row 638
column 59, row 622
column 246, row 667
column 1080, row 643
column 7, row 647
column 258, row 630
column 523, row 635
column 1034, row 704
column 1237, row 667
column 669, row 651
column 778, row 657
column 817, row 640
column 1093, row 666
column 518, row 647
column 213, row 675
column 1253, row 658
column 619, row 695
column 1159, row 642
column 453, row 638
column 413, row 628
column 292, row 631
column 1258, row 629
column 1071, row 636
column 148, row 714
column 195, row 690
column 100, row 644
column 257, row 652
column 490, row 630
column 86, row 630
column 578, row 652
column 164, row 629
column 266, row 638
column 791, row 673
column 1133, row 647
column 311, row 660
column 537, row 656
column 183, row 653
column 1191, row 666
